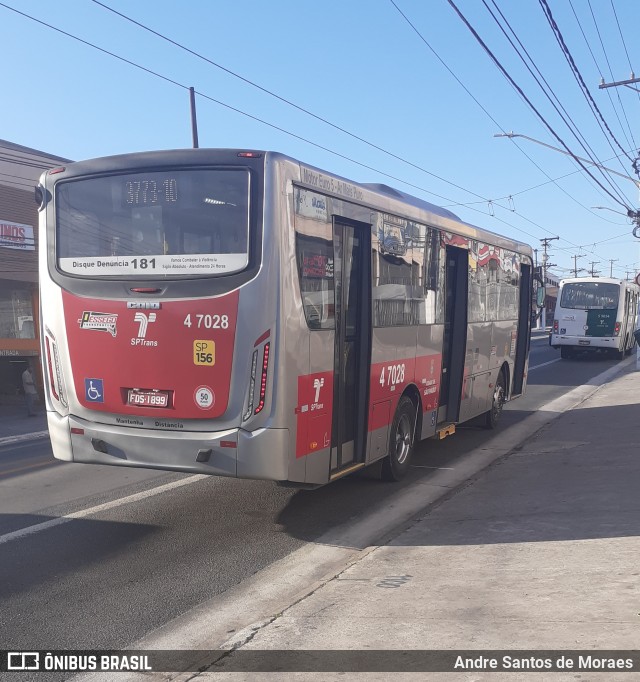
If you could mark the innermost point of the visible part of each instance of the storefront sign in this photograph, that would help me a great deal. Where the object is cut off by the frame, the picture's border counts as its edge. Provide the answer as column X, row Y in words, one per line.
column 16, row 236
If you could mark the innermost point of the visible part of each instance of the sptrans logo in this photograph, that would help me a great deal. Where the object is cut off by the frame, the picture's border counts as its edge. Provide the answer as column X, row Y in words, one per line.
column 143, row 320
column 100, row 322
column 317, row 384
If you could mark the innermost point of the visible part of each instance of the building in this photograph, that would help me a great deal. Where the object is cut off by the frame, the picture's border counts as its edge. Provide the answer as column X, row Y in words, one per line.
column 20, row 168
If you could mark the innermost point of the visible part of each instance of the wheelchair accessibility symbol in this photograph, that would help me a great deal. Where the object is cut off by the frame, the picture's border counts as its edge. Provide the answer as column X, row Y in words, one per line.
column 93, row 390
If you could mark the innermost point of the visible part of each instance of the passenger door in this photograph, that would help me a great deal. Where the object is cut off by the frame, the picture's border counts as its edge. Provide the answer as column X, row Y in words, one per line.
column 352, row 348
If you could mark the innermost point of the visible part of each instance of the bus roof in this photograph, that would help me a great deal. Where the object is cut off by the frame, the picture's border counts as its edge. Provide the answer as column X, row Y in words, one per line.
column 383, row 197
column 602, row 280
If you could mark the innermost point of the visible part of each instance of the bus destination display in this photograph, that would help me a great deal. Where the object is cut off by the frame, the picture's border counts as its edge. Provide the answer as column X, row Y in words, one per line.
column 150, row 192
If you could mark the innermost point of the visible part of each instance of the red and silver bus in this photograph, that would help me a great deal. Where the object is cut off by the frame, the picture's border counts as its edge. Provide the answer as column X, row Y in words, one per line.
column 240, row 313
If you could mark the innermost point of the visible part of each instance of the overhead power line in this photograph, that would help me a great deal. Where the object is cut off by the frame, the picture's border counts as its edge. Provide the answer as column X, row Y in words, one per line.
column 256, row 118
column 595, row 61
column 488, row 114
column 576, row 71
column 544, row 86
column 298, row 107
column 611, row 72
column 496, row 61
column 287, row 132
column 335, row 126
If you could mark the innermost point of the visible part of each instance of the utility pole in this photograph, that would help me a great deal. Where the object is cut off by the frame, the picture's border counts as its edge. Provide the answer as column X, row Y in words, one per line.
column 611, row 262
column 194, row 120
column 628, row 83
column 545, row 265
column 576, row 269
column 593, row 272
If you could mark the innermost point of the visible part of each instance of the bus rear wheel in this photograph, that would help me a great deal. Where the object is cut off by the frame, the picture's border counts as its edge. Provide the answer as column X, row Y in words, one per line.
column 396, row 464
column 566, row 352
column 492, row 417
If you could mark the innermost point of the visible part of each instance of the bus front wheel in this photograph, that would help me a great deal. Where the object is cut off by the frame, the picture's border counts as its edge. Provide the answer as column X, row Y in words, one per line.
column 396, row 464
column 492, row 417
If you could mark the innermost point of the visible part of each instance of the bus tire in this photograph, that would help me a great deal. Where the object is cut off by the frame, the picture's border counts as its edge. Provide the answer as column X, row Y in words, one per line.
column 566, row 352
column 492, row 417
column 401, row 436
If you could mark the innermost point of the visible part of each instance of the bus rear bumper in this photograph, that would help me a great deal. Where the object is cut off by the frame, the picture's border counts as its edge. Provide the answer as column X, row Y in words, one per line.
column 261, row 454
column 558, row 340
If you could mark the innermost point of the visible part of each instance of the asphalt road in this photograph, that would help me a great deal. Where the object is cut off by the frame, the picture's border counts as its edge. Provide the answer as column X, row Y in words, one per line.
column 108, row 579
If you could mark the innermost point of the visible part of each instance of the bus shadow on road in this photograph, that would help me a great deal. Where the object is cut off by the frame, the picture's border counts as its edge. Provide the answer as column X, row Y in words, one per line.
column 308, row 514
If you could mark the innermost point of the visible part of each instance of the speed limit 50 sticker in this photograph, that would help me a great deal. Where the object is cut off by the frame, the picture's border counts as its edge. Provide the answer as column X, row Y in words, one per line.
column 204, row 352
column 204, row 397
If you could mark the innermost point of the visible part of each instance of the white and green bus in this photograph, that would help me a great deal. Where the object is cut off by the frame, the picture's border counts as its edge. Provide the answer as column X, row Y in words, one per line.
column 594, row 314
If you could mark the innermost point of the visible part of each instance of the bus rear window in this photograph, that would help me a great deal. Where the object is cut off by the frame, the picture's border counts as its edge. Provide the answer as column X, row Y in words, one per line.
column 590, row 295
column 156, row 224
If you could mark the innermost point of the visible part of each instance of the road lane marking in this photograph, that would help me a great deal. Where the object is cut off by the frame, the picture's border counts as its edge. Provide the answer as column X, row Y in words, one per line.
column 544, row 364
column 420, row 466
column 45, row 525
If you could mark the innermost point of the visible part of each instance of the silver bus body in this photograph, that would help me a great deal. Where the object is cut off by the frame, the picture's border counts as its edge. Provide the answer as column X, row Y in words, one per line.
column 288, row 365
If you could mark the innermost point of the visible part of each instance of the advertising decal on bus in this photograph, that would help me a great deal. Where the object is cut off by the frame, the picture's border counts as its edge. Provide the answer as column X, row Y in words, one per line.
column 387, row 382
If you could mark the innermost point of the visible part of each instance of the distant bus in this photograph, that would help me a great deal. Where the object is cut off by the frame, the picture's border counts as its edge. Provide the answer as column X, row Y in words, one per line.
column 241, row 313
column 595, row 313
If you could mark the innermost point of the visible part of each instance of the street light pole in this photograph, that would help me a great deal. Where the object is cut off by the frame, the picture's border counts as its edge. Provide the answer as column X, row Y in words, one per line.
column 634, row 215
column 573, row 156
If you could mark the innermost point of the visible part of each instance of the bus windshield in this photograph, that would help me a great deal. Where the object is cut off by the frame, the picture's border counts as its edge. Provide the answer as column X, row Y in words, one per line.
column 590, row 295
column 154, row 224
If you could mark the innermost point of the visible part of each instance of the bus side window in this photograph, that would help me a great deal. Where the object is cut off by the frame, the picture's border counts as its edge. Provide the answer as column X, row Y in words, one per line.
column 433, row 298
column 315, row 271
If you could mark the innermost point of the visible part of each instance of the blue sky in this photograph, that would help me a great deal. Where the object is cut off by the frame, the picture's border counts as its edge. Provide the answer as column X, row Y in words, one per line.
column 427, row 93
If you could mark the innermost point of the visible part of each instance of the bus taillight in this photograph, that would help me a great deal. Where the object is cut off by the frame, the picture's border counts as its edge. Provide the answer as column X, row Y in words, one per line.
column 52, row 382
column 616, row 329
column 555, row 326
column 263, row 379
column 56, row 381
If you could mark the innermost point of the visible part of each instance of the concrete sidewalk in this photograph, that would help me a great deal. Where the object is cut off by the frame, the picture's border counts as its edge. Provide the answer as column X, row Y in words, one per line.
column 539, row 551
column 16, row 425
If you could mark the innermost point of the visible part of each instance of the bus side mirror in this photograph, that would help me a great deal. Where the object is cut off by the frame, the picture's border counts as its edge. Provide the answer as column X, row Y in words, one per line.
column 41, row 196
column 540, row 297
